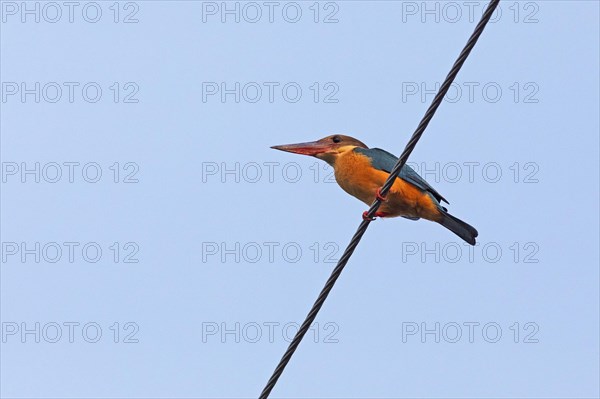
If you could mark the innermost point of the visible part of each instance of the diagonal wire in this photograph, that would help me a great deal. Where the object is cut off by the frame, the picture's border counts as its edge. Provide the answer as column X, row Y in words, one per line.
column 362, row 228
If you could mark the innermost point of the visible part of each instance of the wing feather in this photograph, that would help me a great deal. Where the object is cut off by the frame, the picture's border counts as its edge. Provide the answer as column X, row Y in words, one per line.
column 383, row 160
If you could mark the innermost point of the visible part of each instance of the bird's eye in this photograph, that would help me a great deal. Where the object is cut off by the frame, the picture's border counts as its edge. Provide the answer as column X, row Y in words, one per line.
column 336, row 139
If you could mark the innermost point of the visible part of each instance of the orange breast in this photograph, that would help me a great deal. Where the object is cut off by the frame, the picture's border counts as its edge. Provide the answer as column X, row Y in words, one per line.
column 355, row 174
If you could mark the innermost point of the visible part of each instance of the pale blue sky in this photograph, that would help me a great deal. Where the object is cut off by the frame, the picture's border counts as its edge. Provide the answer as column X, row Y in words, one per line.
column 229, row 234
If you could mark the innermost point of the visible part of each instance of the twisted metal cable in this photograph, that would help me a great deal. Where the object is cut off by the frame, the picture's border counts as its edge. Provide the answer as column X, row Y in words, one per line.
column 362, row 228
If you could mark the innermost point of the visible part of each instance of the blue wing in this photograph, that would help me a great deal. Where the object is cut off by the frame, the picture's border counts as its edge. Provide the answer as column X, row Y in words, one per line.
column 383, row 160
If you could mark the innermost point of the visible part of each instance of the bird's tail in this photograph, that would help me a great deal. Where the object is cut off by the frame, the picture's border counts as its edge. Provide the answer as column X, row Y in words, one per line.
column 458, row 227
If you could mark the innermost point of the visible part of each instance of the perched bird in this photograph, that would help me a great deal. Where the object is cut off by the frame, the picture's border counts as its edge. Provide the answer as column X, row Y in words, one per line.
column 361, row 171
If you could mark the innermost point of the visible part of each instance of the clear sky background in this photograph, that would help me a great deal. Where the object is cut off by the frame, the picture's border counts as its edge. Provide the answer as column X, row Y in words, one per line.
column 234, row 241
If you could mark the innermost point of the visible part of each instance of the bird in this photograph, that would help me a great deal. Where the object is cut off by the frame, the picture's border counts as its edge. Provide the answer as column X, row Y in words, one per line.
column 361, row 172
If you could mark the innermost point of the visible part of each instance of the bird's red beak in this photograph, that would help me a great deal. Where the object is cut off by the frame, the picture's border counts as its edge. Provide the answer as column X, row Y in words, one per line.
column 313, row 148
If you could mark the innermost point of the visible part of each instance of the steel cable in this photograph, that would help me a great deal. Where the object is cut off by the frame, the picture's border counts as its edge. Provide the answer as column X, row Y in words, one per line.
column 362, row 228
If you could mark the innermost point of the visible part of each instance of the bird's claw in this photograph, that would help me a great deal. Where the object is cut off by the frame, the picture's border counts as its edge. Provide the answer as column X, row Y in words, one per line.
column 365, row 216
column 379, row 196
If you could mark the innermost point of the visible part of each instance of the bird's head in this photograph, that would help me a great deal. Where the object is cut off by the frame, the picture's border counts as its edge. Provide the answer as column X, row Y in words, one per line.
column 327, row 149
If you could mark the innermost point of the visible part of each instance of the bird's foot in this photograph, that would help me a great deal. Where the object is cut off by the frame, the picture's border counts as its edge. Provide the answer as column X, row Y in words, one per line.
column 365, row 216
column 378, row 214
column 379, row 196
